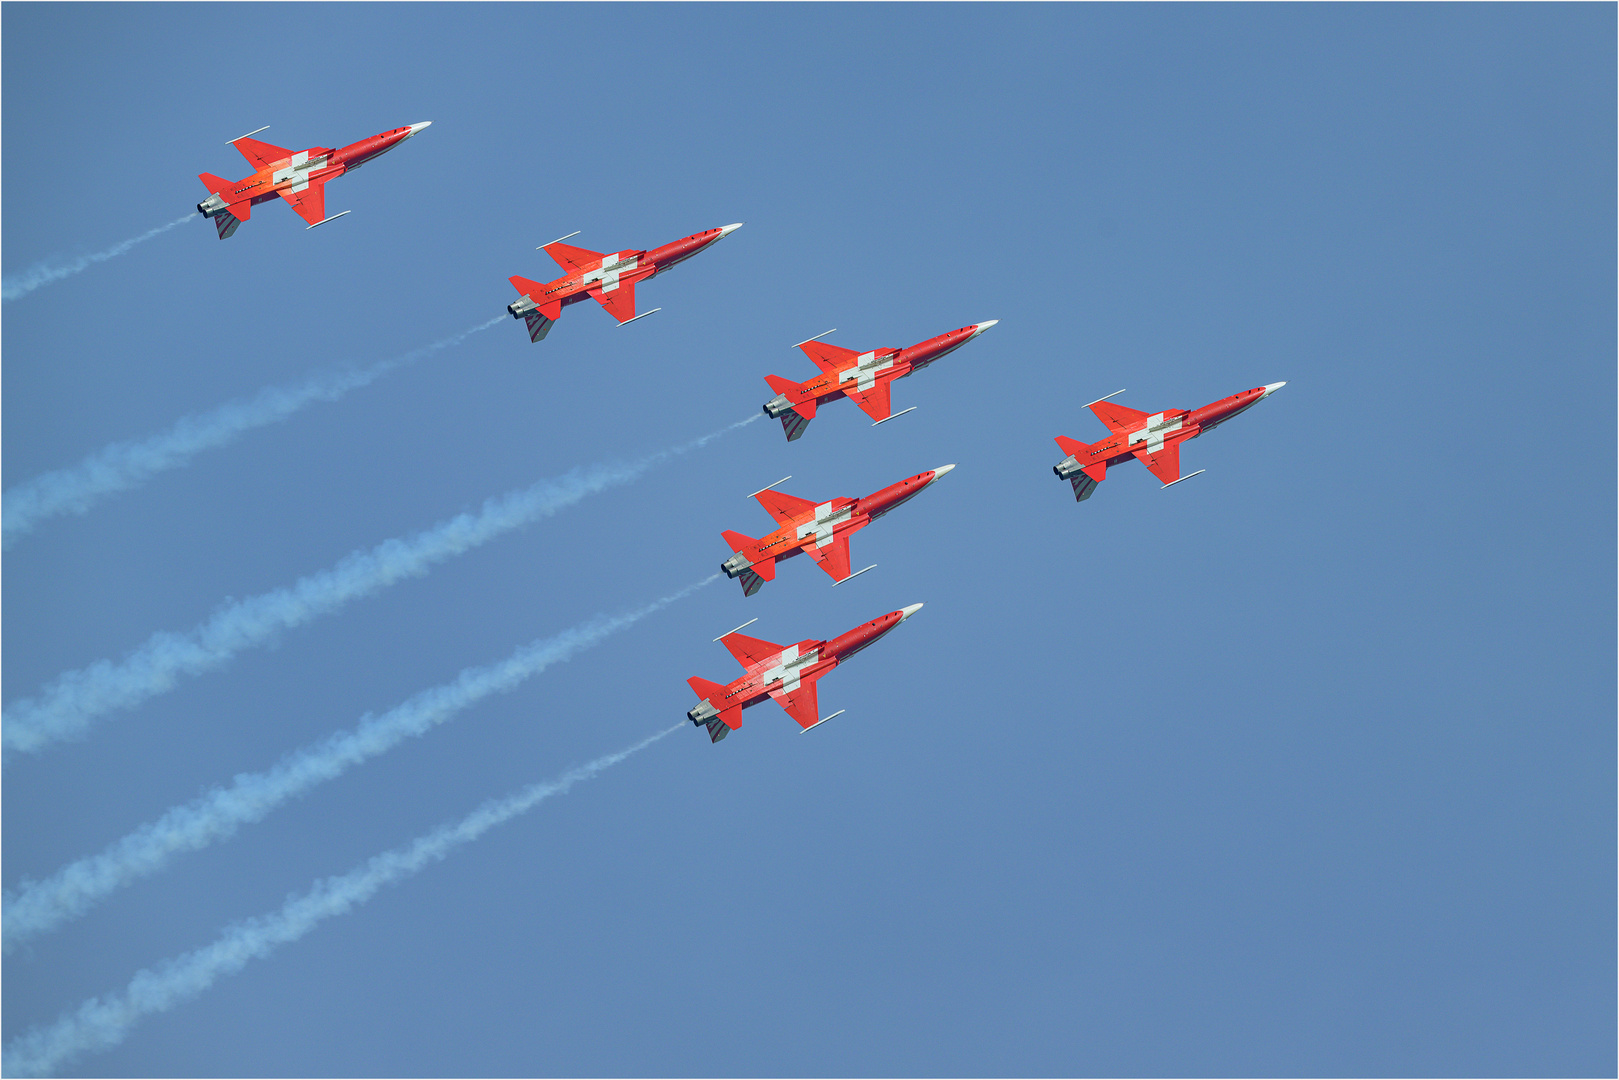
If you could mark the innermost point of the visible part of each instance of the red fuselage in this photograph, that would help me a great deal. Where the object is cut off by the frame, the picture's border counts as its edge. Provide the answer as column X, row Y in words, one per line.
column 820, row 529
column 1155, row 439
column 785, row 673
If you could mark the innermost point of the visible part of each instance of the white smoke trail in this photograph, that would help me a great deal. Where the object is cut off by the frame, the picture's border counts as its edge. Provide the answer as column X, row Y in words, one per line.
column 74, row 698
column 43, row 273
column 123, row 465
column 216, row 815
column 100, row 1024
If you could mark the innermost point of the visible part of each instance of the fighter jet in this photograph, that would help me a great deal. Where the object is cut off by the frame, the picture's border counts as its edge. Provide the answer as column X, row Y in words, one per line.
column 300, row 178
column 609, row 280
column 1155, row 439
column 862, row 377
column 786, row 673
column 820, row 529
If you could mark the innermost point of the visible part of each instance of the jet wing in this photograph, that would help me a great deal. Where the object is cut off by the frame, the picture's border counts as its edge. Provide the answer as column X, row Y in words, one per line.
column 1165, row 464
column 572, row 258
column 800, row 704
column 310, row 202
column 834, row 558
column 261, row 155
column 873, row 401
column 1117, row 417
column 620, row 302
column 783, row 507
column 750, row 650
column 830, row 357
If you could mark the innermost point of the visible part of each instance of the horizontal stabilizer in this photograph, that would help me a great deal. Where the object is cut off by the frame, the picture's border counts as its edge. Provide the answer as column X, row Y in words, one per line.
column 765, row 568
column 241, row 211
column 791, row 389
column 215, row 184
column 737, row 540
column 712, row 692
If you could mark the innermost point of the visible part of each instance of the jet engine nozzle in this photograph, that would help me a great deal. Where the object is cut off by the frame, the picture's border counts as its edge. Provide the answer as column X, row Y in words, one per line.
column 776, row 406
column 210, row 206
column 522, row 307
column 1067, row 468
column 735, row 565
column 701, row 713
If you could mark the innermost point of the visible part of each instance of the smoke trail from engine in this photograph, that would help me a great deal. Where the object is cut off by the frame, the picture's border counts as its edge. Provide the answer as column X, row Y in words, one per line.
column 122, row 465
column 43, row 273
column 216, row 815
column 99, row 1023
column 73, row 699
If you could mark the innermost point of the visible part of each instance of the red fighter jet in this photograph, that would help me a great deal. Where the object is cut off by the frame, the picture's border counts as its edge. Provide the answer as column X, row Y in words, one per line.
column 820, row 529
column 864, row 377
column 300, row 178
column 1154, row 438
column 786, row 673
column 609, row 280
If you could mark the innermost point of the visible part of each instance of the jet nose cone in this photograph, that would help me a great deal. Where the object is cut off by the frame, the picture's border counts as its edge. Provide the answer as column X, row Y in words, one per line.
column 907, row 612
column 941, row 470
column 727, row 230
column 981, row 327
column 414, row 128
column 1271, row 388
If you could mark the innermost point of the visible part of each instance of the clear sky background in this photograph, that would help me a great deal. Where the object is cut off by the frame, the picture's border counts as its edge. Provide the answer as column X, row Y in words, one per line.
column 1304, row 766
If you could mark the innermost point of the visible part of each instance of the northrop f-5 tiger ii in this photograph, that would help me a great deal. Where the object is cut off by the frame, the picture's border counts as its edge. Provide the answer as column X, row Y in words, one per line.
column 300, row 178
column 609, row 279
column 862, row 377
column 821, row 530
column 1154, row 438
column 784, row 673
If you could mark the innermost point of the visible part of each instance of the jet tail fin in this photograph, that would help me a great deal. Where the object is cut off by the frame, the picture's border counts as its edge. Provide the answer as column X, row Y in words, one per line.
column 226, row 222
column 796, row 418
column 727, row 720
column 1096, row 470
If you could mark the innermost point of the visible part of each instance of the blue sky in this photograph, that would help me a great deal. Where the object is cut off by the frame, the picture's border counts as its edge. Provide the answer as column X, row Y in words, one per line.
column 1304, row 766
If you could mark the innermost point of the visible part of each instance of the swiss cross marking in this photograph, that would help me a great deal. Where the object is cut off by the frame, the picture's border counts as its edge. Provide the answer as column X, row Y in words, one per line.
column 608, row 272
column 865, row 370
column 1153, row 433
column 785, row 668
column 297, row 171
column 826, row 519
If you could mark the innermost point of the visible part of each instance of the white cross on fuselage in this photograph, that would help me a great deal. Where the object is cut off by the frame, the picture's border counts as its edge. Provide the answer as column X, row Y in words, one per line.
column 607, row 273
column 821, row 528
column 786, row 668
column 297, row 170
column 865, row 370
column 1153, row 434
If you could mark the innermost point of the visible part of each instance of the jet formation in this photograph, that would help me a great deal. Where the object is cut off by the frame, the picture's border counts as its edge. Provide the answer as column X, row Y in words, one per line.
column 300, row 178
column 820, row 530
column 862, row 377
column 1154, row 438
column 785, row 673
column 608, row 279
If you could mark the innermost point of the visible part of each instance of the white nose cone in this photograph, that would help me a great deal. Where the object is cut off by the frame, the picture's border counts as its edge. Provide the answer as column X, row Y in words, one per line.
column 907, row 612
column 984, row 326
column 727, row 230
column 1271, row 388
column 941, row 470
column 414, row 128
